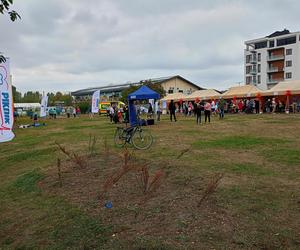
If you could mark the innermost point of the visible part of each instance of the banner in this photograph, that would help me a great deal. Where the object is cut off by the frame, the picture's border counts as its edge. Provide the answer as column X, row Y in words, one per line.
column 44, row 104
column 164, row 104
column 95, row 101
column 6, row 104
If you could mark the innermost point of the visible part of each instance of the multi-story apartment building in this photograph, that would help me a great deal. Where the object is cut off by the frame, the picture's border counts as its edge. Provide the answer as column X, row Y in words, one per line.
column 272, row 59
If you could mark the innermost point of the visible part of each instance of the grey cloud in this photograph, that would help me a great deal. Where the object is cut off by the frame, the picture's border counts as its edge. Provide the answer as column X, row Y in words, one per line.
column 65, row 45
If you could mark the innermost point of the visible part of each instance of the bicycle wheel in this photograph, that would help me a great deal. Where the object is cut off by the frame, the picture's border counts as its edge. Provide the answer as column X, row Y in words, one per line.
column 142, row 139
column 119, row 138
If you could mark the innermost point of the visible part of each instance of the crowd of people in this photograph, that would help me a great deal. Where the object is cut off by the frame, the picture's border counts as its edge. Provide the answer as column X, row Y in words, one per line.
column 118, row 115
column 196, row 109
column 190, row 108
column 73, row 111
column 219, row 107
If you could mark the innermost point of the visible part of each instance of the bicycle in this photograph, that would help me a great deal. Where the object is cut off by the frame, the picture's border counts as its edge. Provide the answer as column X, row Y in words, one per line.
column 138, row 137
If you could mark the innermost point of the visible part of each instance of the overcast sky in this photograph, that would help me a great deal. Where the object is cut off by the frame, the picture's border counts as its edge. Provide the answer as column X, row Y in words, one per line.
column 66, row 45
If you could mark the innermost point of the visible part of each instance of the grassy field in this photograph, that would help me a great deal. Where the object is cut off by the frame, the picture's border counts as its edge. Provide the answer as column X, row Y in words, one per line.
column 255, row 206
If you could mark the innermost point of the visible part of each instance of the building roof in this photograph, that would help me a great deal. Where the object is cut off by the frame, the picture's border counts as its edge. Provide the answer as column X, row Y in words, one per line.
column 204, row 94
column 103, row 89
column 280, row 33
column 241, row 91
column 120, row 87
column 282, row 87
column 164, row 79
column 284, row 34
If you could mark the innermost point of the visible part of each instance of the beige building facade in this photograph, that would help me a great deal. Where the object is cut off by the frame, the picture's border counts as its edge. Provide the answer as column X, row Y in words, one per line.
column 178, row 84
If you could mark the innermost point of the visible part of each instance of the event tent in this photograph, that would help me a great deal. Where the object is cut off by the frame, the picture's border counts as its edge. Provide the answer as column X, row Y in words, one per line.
column 282, row 87
column 27, row 105
column 241, row 92
column 205, row 94
column 143, row 93
column 174, row 97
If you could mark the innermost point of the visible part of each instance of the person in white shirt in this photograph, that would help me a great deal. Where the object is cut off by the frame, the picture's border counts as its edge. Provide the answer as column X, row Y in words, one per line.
column 111, row 113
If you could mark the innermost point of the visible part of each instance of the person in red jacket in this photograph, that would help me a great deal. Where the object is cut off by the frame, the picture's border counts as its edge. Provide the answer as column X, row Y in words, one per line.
column 241, row 106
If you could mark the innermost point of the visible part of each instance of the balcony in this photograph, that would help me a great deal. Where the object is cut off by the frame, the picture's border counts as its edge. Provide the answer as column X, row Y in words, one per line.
column 253, row 71
column 253, row 60
column 275, row 57
column 274, row 81
column 274, row 69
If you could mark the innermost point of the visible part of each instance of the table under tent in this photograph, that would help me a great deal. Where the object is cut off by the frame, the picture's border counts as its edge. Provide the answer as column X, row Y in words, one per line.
column 143, row 93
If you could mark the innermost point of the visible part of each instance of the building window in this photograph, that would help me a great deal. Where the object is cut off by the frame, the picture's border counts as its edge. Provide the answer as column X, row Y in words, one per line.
column 288, row 75
column 261, row 45
column 258, row 79
column 272, row 44
column 254, row 79
column 259, row 57
column 248, row 68
column 248, row 79
column 248, row 58
column 288, row 63
column 170, row 91
column 286, row 41
column 289, row 52
column 180, row 91
column 258, row 68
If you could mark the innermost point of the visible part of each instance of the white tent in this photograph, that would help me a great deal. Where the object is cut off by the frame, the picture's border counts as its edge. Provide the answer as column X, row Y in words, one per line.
column 27, row 105
column 205, row 94
column 241, row 92
column 174, row 97
column 282, row 87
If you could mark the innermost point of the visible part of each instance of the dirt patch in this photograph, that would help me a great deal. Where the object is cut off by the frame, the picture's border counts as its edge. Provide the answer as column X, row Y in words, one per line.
column 170, row 213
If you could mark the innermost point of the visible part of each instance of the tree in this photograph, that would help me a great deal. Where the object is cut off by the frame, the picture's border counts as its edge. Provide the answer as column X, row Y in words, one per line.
column 30, row 97
column 5, row 9
column 59, row 97
column 16, row 95
column 152, row 85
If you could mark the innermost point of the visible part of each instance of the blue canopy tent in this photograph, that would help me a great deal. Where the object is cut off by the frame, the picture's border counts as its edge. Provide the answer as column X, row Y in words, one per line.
column 143, row 93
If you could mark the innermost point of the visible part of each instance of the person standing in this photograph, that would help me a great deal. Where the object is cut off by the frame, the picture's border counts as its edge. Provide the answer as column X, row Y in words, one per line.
column 158, row 112
column 68, row 112
column 172, row 110
column 207, row 111
column 78, row 111
column 111, row 113
column 198, row 112
column 240, row 106
column 119, row 116
column 256, row 106
column 126, row 114
column 273, row 105
column 35, row 119
column 213, row 107
column 185, row 109
column 268, row 106
column 150, row 111
column 221, row 108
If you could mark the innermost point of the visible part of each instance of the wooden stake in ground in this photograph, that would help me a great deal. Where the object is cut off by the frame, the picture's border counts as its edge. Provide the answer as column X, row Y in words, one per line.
column 59, row 172
column 211, row 187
